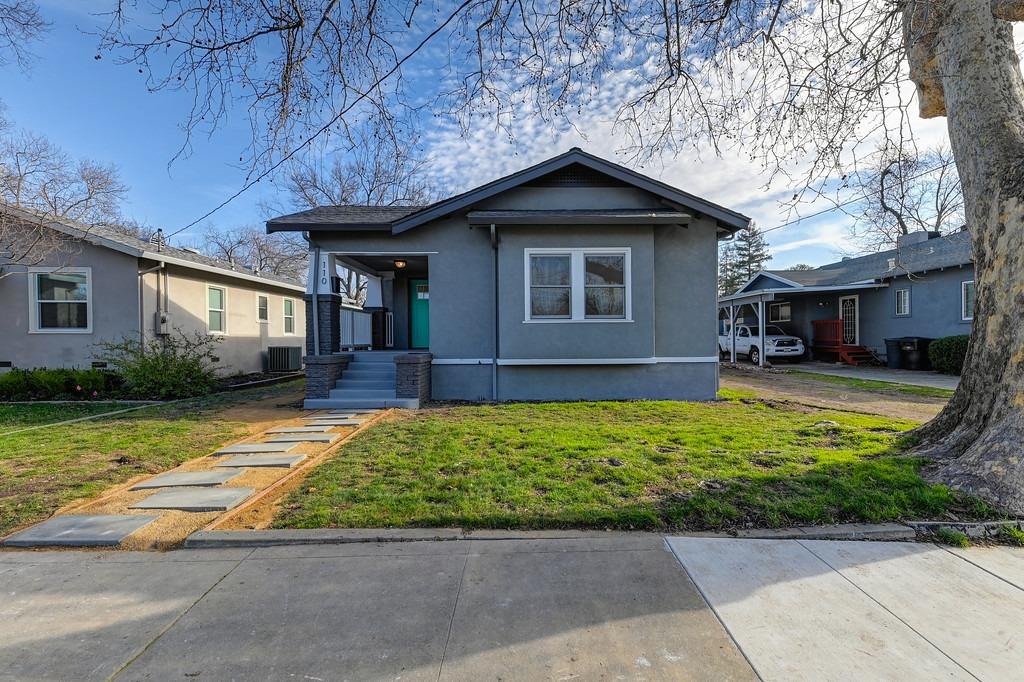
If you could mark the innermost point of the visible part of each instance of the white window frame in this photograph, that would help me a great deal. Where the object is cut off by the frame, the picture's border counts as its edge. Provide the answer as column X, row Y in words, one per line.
column 577, row 274
column 965, row 314
column 258, row 319
column 285, row 316
column 223, row 311
column 899, row 292
column 33, row 300
column 772, row 307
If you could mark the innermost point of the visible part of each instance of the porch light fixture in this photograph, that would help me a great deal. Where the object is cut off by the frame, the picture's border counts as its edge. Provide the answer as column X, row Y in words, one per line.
column 400, row 263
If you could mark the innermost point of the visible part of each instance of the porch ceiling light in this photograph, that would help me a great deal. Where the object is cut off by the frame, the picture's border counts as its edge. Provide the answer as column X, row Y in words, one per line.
column 400, row 263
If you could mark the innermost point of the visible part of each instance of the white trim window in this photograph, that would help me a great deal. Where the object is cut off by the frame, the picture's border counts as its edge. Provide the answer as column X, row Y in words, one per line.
column 60, row 300
column 289, row 316
column 578, row 285
column 968, row 294
column 263, row 309
column 216, row 309
column 903, row 303
column 780, row 312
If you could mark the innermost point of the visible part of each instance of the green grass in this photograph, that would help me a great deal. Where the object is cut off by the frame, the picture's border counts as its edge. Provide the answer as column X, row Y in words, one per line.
column 952, row 537
column 1012, row 536
column 643, row 465
column 16, row 416
column 878, row 386
column 44, row 469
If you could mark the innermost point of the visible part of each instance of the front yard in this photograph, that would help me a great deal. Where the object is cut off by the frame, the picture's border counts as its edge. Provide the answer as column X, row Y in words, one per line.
column 44, row 469
column 642, row 465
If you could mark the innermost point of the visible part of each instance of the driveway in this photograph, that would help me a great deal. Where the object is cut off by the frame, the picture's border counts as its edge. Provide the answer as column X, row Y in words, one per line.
column 896, row 376
column 597, row 606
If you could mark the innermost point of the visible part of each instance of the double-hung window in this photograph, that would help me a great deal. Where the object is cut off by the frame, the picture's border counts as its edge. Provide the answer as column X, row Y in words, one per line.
column 967, row 296
column 577, row 285
column 60, row 300
column 263, row 309
column 216, row 310
column 903, row 302
column 780, row 312
column 289, row 316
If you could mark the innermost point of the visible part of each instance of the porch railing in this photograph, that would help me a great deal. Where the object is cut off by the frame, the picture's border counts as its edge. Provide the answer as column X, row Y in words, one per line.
column 827, row 333
column 356, row 329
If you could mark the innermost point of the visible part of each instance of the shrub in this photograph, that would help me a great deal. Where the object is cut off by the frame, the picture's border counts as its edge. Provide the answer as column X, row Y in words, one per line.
column 178, row 366
column 57, row 384
column 952, row 537
column 948, row 353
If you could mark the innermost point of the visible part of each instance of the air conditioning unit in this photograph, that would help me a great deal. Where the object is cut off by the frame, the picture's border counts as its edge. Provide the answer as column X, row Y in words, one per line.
column 284, row 358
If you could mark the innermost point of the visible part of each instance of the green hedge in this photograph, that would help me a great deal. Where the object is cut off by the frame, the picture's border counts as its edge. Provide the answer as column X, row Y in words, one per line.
column 948, row 353
column 59, row 384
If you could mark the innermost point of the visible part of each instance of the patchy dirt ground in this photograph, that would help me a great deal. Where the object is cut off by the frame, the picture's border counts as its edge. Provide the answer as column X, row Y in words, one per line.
column 804, row 391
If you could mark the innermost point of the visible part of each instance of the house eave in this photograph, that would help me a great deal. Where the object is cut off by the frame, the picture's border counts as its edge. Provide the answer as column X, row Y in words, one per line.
column 581, row 217
column 769, row 294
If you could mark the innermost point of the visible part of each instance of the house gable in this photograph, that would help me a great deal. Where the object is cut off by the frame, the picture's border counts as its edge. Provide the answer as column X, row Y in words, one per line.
column 766, row 280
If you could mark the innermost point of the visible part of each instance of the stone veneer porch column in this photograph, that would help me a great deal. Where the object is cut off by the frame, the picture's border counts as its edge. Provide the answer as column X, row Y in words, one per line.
column 323, row 372
column 329, row 319
column 412, row 376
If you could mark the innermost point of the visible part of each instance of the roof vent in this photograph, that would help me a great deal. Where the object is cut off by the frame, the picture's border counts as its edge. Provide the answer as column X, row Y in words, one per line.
column 892, row 263
column 846, row 258
column 191, row 250
column 157, row 239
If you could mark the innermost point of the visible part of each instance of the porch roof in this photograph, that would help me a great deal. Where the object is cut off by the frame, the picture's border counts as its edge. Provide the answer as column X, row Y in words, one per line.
column 743, row 298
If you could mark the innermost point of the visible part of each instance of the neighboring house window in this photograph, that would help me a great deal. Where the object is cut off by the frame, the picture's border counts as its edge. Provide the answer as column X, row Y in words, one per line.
column 60, row 300
column 779, row 312
column 577, row 284
column 263, row 309
column 903, row 302
column 216, row 310
column 967, row 295
column 289, row 316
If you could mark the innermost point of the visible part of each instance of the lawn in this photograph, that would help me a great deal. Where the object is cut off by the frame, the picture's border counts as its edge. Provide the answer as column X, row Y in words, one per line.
column 876, row 386
column 19, row 416
column 643, row 465
column 44, row 469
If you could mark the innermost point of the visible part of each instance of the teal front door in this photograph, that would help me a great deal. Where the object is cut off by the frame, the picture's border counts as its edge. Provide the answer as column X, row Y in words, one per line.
column 419, row 312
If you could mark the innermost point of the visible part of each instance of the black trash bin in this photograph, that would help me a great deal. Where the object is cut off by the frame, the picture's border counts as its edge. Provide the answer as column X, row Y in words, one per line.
column 893, row 354
column 914, row 350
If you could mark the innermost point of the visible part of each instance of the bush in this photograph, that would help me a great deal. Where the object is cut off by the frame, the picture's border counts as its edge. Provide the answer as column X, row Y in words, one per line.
column 57, row 384
column 948, row 353
column 178, row 366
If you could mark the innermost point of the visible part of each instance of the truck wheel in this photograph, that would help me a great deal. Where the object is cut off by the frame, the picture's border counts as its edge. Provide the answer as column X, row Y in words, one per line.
column 755, row 355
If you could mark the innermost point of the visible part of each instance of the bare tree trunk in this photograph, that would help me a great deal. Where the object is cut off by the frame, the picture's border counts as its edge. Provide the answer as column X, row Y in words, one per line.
column 977, row 441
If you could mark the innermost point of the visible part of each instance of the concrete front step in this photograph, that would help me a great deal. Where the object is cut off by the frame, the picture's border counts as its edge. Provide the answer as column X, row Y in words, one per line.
column 351, row 403
column 381, row 393
column 371, row 384
column 367, row 374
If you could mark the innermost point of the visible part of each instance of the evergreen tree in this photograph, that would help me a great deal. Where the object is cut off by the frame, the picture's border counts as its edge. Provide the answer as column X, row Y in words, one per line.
column 751, row 253
column 729, row 277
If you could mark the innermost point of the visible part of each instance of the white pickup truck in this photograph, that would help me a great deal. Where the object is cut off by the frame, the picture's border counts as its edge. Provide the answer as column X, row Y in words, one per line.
column 778, row 344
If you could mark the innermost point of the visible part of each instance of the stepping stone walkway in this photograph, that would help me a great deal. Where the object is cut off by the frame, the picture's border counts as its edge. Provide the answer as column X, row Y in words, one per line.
column 80, row 531
column 256, row 447
column 304, row 438
column 263, row 461
column 188, row 478
column 335, row 422
column 195, row 500
column 316, row 428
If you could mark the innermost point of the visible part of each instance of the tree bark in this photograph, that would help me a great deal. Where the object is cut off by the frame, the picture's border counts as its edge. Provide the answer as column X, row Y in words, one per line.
column 968, row 58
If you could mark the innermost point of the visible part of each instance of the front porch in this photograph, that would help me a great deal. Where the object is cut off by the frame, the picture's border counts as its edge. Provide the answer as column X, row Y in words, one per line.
column 368, row 334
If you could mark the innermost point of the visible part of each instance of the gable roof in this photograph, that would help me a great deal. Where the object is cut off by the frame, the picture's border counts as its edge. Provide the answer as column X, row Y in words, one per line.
column 945, row 251
column 108, row 237
column 374, row 217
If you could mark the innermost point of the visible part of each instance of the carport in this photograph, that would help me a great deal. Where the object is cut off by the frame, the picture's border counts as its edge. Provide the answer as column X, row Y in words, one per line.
column 733, row 304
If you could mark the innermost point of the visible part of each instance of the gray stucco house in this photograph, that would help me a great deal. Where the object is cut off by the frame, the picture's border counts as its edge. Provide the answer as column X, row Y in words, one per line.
column 103, row 285
column 845, row 310
column 575, row 278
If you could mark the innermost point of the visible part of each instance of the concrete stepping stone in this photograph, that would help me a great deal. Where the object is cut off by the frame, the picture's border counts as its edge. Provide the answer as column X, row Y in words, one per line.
column 279, row 460
column 75, row 530
column 188, row 479
column 304, row 438
column 336, row 422
column 315, row 428
column 195, row 499
column 255, row 447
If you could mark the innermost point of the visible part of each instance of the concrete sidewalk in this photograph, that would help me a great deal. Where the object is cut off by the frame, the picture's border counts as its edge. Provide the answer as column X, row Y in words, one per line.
column 604, row 607
column 896, row 376
column 825, row 610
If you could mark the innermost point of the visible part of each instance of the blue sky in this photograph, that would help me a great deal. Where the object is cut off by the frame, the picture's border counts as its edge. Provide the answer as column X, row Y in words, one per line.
column 100, row 110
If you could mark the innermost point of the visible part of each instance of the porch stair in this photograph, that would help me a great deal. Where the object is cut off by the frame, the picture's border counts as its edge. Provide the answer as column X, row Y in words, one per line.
column 857, row 355
column 368, row 381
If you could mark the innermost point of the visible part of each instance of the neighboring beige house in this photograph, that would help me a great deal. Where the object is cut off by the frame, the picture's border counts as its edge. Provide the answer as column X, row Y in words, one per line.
column 108, row 286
